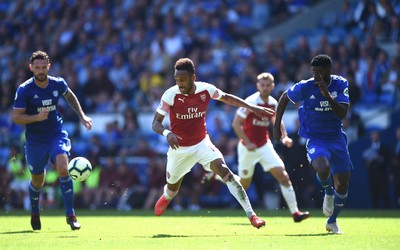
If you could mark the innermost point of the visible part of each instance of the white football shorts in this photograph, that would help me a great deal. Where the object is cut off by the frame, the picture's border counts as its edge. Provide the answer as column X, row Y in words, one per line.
column 265, row 155
column 182, row 160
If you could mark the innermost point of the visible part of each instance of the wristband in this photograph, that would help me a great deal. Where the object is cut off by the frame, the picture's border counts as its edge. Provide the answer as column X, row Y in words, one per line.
column 166, row 132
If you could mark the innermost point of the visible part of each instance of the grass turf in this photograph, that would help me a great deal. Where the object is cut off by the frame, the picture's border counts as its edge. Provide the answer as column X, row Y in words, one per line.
column 206, row 229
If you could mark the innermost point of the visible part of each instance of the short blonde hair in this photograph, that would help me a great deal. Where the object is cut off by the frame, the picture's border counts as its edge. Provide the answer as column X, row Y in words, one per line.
column 265, row 75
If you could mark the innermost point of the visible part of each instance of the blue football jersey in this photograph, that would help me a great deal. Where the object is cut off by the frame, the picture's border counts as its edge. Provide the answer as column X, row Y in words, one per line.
column 33, row 98
column 315, row 113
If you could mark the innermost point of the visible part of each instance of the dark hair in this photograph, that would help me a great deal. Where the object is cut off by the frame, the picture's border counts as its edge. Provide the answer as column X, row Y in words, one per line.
column 321, row 61
column 39, row 55
column 185, row 64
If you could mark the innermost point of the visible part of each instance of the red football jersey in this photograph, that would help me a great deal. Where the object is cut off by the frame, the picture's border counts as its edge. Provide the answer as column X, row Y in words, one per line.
column 254, row 127
column 187, row 113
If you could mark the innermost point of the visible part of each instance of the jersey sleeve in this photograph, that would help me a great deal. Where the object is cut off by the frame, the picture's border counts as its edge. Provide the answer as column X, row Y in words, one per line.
column 242, row 112
column 165, row 103
column 20, row 101
column 63, row 86
column 215, row 93
column 294, row 93
column 343, row 95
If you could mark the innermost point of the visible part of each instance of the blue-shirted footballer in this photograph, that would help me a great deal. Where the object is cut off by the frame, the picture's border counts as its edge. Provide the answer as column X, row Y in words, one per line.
column 35, row 106
column 324, row 103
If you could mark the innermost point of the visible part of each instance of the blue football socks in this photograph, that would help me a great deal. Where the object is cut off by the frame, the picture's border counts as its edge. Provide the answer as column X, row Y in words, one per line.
column 326, row 184
column 339, row 201
column 67, row 191
column 34, row 197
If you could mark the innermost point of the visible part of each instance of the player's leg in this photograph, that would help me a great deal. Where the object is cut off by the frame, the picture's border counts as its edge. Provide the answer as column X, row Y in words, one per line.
column 236, row 189
column 67, row 190
column 322, row 168
column 280, row 174
column 212, row 160
column 179, row 162
column 247, row 161
column 341, row 181
column 35, row 188
column 341, row 166
column 271, row 162
column 59, row 153
column 36, row 157
column 170, row 191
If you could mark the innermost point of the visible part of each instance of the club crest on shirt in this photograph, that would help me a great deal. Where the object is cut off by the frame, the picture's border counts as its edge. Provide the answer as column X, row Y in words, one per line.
column 346, row 92
column 312, row 151
column 55, row 93
column 245, row 172
column 334, row 94
column 168, row 175
column 203, row 97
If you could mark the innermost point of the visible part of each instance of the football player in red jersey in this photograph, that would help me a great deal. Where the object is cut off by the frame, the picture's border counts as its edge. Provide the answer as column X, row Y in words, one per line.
column 187, row 103
column 256, row 147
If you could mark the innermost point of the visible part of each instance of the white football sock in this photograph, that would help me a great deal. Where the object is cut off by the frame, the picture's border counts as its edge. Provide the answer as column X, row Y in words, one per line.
column 238, row 192
column 169, row 195
column 290, row 198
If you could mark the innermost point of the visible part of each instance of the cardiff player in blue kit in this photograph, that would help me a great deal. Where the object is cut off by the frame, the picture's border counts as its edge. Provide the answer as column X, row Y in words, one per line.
column 325, row 102
column 35, row 106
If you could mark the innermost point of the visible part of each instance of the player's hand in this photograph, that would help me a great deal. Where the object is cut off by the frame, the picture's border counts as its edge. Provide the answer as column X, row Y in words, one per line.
column 251, row 146
column 87, row 122
column 43, row 114
column 173, row 140
column 262, row 112
column 288, row 142
column 322, row 86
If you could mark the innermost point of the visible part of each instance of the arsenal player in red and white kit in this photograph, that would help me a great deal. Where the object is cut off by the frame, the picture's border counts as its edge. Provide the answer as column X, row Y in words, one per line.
column 256, row 147
column 187, row 103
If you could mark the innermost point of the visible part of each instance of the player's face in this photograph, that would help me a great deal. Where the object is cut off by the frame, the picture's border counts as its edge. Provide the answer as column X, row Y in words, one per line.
column 185, row 81
column 265, row 87
column 40, row 69
column 321, row 74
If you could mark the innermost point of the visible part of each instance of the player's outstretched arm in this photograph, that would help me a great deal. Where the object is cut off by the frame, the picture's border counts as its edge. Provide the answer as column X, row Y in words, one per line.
column 73, row 102
column 282, row 103
column 239, row 102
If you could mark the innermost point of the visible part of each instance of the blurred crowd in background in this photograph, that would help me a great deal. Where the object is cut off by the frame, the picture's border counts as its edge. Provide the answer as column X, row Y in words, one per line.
column 118, row 57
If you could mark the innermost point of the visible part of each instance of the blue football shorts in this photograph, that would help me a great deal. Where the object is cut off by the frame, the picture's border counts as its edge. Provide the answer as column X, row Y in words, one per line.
column 334, row 149
column 38, row 152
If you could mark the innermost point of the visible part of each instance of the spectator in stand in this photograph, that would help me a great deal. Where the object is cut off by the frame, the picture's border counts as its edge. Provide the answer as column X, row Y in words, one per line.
column 156, row 177
column 396, row 169
column 129, row 191
column 105, row 196
column 377, row 159
column 20, row 179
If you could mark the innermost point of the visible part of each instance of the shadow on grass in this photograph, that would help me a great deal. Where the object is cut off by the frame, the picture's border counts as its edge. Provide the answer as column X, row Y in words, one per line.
column 163, row 236
column 308, row 235
column 18, row 232
column 169, row 236
column 353, row 213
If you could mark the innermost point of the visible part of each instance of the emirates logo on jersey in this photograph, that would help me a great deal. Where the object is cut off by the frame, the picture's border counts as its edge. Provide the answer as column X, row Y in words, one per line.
column 203, row 97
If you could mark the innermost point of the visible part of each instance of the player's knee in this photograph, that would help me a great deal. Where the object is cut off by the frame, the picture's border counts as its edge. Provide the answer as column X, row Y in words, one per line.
column 37, row 183
column 245, row 183
column 341, row 188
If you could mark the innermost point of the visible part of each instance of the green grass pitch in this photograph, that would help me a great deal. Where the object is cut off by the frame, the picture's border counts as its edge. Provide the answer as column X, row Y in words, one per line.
column 206, row 229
